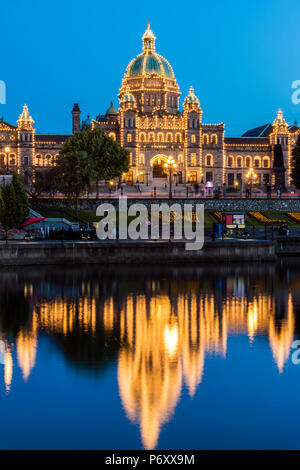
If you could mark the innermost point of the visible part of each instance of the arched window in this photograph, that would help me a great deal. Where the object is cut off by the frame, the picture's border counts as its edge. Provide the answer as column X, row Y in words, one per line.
column 142, row 137
column 193, row 159
column 160, row 137
column 169, row 137
column 180, row 158
column 38, row 159
column 178, row 138
column 230, row 161
column 214, row 139
column 193, row 139
column 266, row 162
column 112, row 135
column 129, row 137
column 239, row 162
column 48, row 158
column 12, row 159
column 248, row 162
column 209, row 160
column 257, row 162
column 205, row 139
column 55, row 158
column 151, row 137
column 142, row 159
column 130, row 158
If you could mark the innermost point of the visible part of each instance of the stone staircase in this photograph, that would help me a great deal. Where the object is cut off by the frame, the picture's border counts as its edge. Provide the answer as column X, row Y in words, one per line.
column 160, row 183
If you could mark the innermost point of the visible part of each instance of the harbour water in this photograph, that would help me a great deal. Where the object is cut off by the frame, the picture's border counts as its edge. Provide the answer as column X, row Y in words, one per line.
column 128, row 357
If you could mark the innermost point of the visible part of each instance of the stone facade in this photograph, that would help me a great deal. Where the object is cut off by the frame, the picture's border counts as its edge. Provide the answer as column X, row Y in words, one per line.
column 151, row 126
column 22, row 150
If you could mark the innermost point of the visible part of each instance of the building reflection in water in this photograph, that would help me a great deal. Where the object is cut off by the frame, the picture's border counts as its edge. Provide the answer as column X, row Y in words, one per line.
column 160, row 327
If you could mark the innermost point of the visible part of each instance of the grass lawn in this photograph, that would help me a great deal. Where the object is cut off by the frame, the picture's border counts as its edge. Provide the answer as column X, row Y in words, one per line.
column 281, row 216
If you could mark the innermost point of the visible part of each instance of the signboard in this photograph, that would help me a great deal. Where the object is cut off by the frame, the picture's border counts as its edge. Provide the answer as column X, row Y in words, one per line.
column 234, row 219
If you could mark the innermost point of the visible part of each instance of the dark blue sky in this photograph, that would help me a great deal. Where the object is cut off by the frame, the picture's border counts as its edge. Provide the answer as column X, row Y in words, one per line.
column 240, row 56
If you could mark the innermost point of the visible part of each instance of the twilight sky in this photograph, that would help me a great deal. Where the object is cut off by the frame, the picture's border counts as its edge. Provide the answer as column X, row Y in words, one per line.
column 240, row 56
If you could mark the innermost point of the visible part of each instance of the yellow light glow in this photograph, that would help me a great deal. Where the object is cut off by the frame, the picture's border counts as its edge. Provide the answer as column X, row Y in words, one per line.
column 171, row 339
column 8, row 369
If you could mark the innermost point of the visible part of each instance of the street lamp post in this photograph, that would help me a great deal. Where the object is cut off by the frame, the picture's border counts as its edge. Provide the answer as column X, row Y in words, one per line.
column 251, row 176
column 123, row 183
column 242, row 186
column 7, row 150
column 236, row 184
column 111, row 183
column 170, row 165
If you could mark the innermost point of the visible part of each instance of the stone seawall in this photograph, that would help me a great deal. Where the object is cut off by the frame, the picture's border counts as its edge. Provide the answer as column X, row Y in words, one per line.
column 47, row 253
column 259, row 204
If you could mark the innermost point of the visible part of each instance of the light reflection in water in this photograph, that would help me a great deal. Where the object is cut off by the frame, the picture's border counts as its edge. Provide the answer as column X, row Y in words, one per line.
column 161, row 331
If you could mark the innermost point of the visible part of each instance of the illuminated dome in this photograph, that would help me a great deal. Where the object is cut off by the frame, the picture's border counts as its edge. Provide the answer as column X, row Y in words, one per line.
column 149, row 62
column 149, row 84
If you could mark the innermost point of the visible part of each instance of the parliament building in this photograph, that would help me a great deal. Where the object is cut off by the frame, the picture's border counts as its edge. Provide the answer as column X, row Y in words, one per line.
column 150, row 124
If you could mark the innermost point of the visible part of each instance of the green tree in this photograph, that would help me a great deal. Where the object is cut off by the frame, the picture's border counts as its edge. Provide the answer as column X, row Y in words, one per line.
column 22, row 202
column 8, row 214
column 295, row 164
column 75, row 174
column 42, row 181
column 109, row 158
column 50, row 181
column 13, row 210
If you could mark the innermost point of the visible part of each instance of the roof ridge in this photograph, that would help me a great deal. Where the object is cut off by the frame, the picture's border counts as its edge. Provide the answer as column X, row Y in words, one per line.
column 265, row 128
column 8, row 124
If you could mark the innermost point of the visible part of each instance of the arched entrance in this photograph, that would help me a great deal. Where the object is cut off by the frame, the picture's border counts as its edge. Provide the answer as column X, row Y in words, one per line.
column 158, row 169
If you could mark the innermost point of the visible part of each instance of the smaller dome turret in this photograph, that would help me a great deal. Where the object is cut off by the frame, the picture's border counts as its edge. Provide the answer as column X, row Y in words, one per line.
column 127, row 100
column 25, row 121
column 127, row 97
column 191, row 98
column 111, row 110
column 279, row 124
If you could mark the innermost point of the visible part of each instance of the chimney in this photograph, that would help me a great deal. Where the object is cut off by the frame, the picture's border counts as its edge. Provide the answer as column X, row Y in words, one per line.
column 76, row 118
